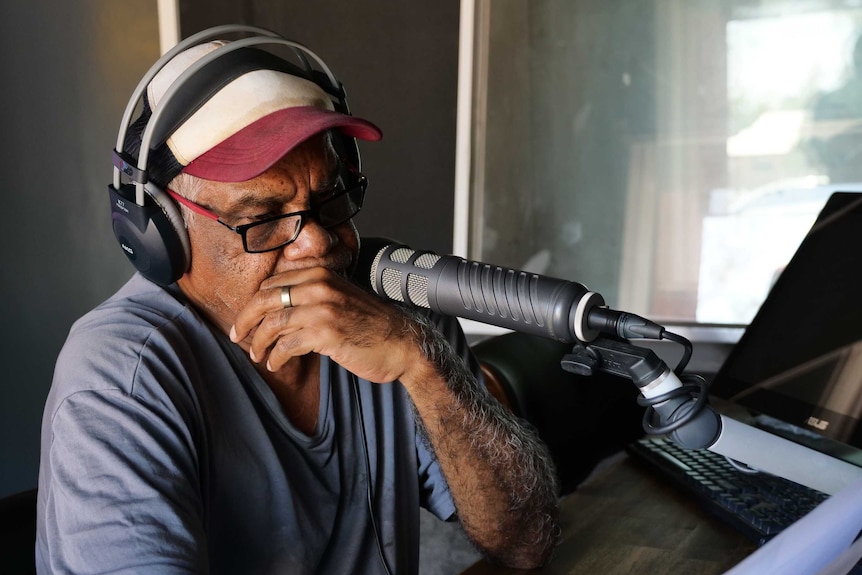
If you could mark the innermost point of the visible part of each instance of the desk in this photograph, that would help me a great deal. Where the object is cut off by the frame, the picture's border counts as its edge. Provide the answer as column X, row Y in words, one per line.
column 624, row 519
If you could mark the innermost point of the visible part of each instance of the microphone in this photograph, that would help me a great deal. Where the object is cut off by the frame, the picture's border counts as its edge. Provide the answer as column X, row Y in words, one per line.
column 568, row 311
column 521, row 301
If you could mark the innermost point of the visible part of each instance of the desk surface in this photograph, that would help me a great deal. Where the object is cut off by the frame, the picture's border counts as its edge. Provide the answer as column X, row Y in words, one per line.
column 624, row 519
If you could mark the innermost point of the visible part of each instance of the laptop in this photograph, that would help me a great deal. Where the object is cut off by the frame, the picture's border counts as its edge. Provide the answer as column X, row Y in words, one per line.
column 796, row 372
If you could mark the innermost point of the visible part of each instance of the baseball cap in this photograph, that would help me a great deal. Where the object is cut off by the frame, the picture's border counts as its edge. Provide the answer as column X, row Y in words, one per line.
column 245, row 127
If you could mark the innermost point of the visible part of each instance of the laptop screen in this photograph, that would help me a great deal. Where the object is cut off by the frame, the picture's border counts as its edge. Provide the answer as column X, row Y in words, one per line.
column 798, row 365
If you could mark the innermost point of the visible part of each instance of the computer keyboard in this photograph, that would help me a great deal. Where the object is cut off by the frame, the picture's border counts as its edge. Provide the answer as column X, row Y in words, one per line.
column 759, row 505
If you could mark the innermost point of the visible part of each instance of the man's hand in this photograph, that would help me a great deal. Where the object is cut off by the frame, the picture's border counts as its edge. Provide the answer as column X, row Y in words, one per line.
column 328, row 315
column 500, row 476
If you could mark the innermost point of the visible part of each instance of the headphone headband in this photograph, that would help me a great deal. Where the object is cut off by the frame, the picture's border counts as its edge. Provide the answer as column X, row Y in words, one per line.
column 192, row 40
column 334, row 88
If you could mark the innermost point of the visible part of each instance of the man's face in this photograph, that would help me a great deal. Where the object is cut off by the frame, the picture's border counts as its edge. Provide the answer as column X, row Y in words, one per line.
column 223, row 276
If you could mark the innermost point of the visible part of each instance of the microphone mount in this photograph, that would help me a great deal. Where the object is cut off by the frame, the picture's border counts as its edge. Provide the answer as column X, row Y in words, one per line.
column 678, row 409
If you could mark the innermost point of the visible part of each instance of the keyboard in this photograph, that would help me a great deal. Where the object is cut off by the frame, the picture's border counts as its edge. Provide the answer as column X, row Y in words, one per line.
column 758, row 505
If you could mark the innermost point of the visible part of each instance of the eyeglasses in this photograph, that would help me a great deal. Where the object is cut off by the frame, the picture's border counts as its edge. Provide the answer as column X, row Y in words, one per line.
column 278, row 231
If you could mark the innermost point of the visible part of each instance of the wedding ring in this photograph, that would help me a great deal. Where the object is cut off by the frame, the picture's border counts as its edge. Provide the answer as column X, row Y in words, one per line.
column 285, row 297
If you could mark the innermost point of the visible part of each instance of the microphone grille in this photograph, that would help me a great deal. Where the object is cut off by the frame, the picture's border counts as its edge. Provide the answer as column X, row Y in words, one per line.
column 426, row 261
column 417, row 290
column 391, row 280
column 373, row 273
column 401, row 255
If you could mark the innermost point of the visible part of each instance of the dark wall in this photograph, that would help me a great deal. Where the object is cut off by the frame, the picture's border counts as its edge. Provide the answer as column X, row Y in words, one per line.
column 69, row 67
column 398, row 62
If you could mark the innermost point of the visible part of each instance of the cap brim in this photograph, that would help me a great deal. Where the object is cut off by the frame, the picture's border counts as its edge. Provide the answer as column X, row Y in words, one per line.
column 257, row 147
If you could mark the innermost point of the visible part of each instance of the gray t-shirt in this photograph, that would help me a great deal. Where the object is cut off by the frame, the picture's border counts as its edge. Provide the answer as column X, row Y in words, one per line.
column 164, row 451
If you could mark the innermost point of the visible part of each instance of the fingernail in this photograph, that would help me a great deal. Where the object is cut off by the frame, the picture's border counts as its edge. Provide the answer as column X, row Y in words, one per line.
column 232, row 333
column 252, row 356
column 269, row 366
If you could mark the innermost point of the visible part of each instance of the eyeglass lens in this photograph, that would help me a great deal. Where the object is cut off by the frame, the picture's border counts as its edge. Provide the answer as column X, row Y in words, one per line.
column 275, row 233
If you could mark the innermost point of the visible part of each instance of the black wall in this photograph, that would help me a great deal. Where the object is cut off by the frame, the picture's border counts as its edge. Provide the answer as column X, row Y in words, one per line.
column 398, row 62
column 69, row 67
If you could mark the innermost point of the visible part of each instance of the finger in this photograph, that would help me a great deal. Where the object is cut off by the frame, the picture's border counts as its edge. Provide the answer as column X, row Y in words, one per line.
column 274, row 326
column 295, row 343
column 328, row 308
column 308, row 331
column 374, row 345
column 270, row 298
column 261, row 303
column 296, row 332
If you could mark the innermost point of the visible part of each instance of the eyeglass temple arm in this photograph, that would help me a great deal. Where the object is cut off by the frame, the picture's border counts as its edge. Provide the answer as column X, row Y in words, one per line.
column 192, row 206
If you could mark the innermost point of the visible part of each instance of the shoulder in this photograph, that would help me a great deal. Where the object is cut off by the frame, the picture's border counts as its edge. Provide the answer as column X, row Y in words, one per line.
column 139, row 304
column 110, row 347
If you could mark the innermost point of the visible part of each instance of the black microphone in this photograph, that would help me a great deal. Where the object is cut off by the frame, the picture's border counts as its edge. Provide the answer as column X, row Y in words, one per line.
column 521, row 301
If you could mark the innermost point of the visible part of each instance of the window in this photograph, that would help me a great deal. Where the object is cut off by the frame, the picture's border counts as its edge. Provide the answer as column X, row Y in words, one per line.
column 668, row 154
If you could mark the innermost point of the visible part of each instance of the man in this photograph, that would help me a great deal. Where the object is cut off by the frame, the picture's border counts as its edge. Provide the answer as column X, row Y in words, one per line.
column 263, row 413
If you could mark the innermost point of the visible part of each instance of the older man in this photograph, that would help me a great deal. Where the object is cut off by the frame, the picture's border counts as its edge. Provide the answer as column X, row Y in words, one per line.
column 263, row 413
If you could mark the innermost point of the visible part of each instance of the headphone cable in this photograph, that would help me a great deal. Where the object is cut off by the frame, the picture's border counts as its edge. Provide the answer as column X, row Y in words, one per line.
column 368, row 494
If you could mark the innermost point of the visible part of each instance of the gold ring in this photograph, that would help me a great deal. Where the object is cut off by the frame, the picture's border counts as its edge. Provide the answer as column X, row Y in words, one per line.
column 285, row 297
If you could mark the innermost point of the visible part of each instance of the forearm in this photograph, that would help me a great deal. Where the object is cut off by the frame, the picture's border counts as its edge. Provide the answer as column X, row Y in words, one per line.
column 499, row 473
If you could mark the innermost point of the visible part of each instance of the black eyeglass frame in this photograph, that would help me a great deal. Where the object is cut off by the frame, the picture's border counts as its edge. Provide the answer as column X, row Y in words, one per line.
column 356, row 191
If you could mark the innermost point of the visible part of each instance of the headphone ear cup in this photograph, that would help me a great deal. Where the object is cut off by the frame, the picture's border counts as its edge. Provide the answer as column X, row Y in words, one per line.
column 153, row 237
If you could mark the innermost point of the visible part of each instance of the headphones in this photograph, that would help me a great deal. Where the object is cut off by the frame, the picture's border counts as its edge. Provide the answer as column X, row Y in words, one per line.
column 146, row 221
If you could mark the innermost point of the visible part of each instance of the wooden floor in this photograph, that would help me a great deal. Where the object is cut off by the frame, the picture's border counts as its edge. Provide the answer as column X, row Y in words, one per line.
column 624, row 519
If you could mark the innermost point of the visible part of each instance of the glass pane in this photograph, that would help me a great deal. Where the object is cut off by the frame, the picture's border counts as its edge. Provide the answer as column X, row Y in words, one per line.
column 669, row 154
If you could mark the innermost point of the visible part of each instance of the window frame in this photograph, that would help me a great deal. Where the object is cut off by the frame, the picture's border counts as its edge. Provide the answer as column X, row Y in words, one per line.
column 471, row 93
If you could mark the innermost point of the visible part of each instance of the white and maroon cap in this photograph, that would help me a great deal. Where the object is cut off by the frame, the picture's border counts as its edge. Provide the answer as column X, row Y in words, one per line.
column 249, row 123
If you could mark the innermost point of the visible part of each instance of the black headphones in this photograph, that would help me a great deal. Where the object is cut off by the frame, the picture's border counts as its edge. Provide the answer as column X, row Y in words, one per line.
column 146, row 221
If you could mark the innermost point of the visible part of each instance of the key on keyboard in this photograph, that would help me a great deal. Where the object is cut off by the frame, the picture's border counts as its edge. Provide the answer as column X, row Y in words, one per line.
column 758, row 505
